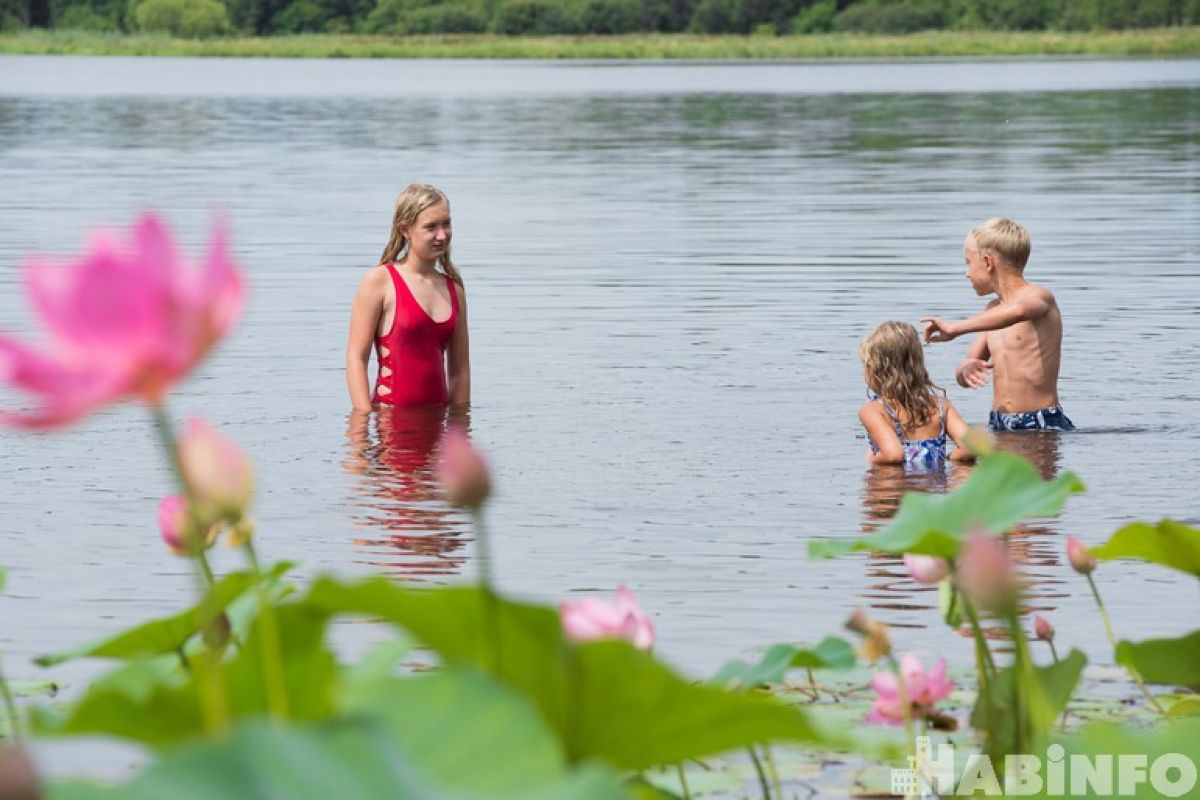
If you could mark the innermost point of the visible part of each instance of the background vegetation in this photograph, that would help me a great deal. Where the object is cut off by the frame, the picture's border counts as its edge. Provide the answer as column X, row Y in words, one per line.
column 211, row 18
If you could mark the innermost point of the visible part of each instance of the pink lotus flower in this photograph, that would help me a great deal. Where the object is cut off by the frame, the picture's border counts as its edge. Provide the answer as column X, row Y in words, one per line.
column 589, row 618
column 126, row 320
column 1082, row 560
column 1042, row 629
column 924, row 690
column 985, row 574
column 216, row 472
column 462, row 470
column 927, row 570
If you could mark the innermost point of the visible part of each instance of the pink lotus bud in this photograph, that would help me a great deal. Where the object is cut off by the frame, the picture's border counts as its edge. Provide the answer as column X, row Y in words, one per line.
column 173, row 523
column 462, row 471
column 1082, row 561
column 926, row 570
column 1042, row 629
column 588, row 618
column 985, row 573
column 216, row 471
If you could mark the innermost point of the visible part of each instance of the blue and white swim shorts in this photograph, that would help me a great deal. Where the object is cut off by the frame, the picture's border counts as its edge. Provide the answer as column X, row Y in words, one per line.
column 1047, row 419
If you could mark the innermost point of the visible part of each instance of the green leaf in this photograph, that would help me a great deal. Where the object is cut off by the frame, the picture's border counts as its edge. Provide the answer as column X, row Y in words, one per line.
column 1169, row 543
column 168, row 634
column 1169, row 661
column 3, row 579
column 1002, row 490
column 351, row 759
column 830, row 653
column 602, row 699
column 1187, row 707
column 153, row 702
column 1105, row 744
column 1016, row 713
column 458, row 717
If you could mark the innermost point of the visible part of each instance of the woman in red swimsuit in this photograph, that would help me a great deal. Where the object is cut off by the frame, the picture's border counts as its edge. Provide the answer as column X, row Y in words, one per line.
column 411, row 313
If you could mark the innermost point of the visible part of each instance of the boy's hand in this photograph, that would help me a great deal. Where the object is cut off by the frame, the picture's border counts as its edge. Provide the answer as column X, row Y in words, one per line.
column 973, row 373
column 938, row 330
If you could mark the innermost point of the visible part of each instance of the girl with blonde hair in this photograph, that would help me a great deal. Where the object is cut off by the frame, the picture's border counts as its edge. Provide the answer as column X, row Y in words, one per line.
column 412, row 310
column 908, row 417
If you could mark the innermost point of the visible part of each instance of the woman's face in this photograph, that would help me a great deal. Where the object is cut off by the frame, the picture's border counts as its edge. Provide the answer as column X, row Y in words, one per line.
column 429, row 236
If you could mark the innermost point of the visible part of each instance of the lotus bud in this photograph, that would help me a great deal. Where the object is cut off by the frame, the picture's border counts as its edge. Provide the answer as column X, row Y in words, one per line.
column 590, row 618
column 1042, row 629
column 1082, row 561
column 985, row 574
column 462, row 470
column 173, row 525
column 927, row 570
column 216, row 472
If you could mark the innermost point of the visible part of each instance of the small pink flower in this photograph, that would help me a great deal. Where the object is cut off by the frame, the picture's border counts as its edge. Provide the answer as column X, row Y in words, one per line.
column 927, row 570
column 462, row 470
column 924, row 690
column 1042, row 629
column 590, row 618
column 126, row 320
column 985, row 574
column 172, row 524
column 216, row 471
column 1082, row 560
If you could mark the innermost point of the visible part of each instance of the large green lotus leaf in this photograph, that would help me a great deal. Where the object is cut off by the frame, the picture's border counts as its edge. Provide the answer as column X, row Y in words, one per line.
column 1168, row 661
column 1041, row 695
column 602, row 699
column 153, row 702
column 830, row 653
column 168, row 634
column 1102, row 744
column 1169, row 543
column 354, row 759
column 456, row 717
column 1002, row 490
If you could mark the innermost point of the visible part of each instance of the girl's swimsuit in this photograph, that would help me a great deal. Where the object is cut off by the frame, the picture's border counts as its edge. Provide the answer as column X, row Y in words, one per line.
column 412, row 355
column 918, row 452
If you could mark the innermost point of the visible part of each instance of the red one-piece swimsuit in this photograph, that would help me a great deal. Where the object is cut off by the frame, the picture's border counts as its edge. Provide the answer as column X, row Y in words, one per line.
column 412, row 355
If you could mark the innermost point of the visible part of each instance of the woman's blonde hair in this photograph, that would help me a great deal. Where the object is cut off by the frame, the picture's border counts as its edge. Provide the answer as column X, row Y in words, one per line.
column 415, row 198
column 894, row 368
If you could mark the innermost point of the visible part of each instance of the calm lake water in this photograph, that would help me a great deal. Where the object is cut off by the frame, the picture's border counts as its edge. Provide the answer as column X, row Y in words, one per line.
column 669, row 267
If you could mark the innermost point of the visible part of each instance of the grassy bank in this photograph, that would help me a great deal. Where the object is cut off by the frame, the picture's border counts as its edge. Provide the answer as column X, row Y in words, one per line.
column 1153, row 42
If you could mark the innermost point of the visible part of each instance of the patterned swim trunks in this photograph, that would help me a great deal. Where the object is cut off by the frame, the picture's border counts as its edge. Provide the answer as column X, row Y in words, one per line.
column 1047, row 419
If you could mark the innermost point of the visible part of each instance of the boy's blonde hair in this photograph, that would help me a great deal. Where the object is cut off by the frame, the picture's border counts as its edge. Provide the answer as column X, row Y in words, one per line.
column 1007, row 239
column 415, row 198
column 894, row 368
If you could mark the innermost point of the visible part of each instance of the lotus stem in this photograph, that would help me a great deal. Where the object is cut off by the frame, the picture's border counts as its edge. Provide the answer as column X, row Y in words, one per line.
column 1112, row 640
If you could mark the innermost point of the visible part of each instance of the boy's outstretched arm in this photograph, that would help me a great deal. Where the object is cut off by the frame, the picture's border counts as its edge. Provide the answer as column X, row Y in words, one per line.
column 1028, row 305
column 972, row 373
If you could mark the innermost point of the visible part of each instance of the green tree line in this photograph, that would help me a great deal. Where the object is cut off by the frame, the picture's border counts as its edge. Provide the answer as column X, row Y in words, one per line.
column 200, row 18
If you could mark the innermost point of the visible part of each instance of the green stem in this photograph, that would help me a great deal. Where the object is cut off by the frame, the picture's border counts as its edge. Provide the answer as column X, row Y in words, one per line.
column 1112, row 640
column 982, row 651
column 268, row 631
column 687, row 793
column 491, row 611
column 212, row 690
column 762, row 776
column 1053, row 650
column 775, row 781
column 10, row 708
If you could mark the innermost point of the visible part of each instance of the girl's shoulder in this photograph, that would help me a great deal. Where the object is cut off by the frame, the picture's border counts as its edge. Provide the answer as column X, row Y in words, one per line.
column 872, row 407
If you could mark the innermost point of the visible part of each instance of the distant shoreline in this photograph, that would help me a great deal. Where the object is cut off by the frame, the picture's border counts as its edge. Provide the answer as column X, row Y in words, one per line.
column 1156, row 42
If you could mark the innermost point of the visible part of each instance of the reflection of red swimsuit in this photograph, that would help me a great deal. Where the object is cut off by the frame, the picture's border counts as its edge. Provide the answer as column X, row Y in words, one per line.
column 415, row 350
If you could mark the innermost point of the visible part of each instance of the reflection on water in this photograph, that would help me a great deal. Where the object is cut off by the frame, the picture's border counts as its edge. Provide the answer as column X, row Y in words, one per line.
column 1034, row 548
column 406, row 526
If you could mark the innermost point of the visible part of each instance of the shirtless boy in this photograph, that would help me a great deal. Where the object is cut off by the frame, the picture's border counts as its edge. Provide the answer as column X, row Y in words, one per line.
column 1020, row 332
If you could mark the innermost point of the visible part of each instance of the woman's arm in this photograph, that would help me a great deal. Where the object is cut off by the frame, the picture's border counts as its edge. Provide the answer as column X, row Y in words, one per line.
column 458, row 355
column 364, row 321
column 881, row 430
column 957, row 430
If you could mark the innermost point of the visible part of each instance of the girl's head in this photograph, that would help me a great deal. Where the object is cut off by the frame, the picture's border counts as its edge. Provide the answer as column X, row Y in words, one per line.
column 421, row 206
column 894, row 369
